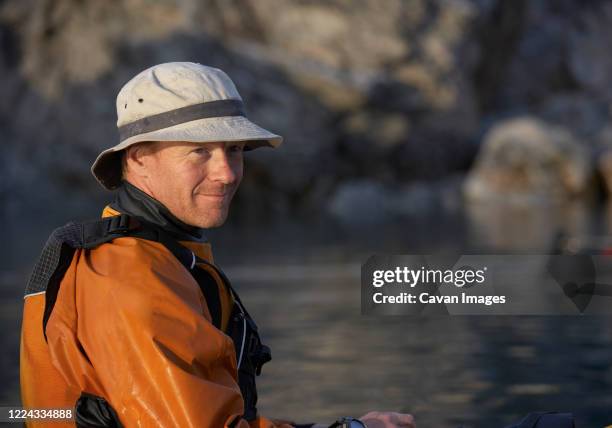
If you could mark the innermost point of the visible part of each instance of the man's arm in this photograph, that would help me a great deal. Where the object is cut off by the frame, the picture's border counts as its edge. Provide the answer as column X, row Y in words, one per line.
column 145, row 329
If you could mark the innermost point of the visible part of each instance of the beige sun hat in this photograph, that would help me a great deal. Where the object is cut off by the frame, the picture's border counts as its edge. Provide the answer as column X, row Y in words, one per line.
column 178, row 101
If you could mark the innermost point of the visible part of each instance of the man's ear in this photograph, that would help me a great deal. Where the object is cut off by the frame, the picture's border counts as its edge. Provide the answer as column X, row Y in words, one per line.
column 137, row 159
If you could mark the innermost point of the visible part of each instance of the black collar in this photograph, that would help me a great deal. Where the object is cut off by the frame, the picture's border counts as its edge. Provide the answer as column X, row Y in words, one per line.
column 133, row 201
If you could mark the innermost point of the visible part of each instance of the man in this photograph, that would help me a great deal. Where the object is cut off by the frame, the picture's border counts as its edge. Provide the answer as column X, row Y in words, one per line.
column 128, row 317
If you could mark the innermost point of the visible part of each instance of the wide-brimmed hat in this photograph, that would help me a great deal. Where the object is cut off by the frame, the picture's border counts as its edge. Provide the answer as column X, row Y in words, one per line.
column 178, row 101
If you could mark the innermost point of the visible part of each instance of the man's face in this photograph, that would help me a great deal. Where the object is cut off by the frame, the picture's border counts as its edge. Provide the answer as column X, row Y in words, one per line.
column 195, row 181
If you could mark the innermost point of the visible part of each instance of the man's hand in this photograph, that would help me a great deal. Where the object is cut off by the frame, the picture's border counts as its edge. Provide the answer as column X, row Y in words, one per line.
column 388, row 420
column 383, row 420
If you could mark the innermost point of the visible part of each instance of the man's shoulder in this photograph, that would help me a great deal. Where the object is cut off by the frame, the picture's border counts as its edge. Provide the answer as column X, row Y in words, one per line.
column 131, row 255
column 136, row 275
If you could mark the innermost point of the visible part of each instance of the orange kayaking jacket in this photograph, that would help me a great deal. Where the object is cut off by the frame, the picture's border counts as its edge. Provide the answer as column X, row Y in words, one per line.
column 130, row 324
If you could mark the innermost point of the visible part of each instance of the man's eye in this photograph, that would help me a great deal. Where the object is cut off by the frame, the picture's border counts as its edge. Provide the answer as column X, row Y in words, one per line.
column 200, row 151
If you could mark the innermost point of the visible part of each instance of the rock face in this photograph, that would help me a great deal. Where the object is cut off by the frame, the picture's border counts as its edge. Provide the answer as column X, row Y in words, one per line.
column 526, row 160
column 384, row 90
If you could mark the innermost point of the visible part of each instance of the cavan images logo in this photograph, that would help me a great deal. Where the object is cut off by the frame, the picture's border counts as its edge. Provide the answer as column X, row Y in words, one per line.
column 489, row 284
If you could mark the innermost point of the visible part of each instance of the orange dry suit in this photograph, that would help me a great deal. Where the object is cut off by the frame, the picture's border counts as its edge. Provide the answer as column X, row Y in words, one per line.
column 129, row 316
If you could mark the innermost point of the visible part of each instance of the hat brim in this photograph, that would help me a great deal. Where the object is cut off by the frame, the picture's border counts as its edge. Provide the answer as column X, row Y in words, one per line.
column 107, row 166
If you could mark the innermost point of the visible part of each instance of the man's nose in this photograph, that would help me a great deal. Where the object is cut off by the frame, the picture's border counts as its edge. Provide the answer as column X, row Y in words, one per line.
column 221, row 169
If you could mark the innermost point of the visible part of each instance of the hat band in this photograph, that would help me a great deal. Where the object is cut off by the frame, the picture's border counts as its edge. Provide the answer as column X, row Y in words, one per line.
column 217, row 108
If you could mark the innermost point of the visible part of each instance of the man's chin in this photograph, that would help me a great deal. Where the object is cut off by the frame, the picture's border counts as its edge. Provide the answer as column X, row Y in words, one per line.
column 212, row 225
column 211, row 221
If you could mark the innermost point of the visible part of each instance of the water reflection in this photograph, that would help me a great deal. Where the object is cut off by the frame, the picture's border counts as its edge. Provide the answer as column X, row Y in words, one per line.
column 528, row 227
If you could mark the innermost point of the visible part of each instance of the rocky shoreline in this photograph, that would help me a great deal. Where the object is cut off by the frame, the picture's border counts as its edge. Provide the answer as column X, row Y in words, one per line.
column 391, row 93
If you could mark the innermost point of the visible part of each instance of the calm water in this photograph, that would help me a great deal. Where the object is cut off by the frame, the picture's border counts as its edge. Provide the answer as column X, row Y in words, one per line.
column 302, row 286
column 478, row 371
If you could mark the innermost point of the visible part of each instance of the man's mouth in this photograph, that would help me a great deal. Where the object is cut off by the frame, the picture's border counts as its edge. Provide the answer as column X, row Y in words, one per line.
column 215, row 196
